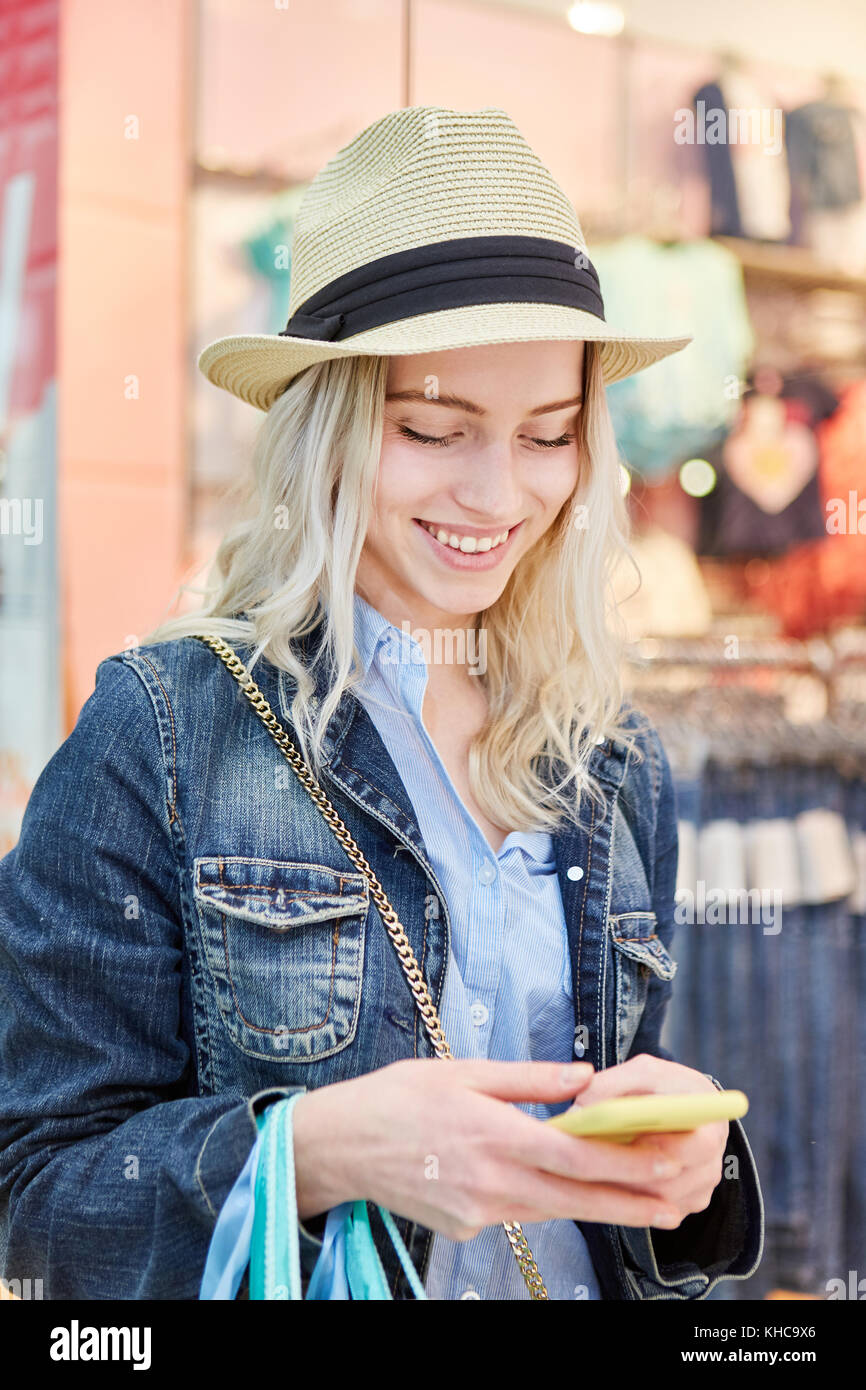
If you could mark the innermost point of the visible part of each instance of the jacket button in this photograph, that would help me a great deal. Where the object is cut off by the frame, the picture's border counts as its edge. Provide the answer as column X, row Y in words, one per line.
column 575, row 873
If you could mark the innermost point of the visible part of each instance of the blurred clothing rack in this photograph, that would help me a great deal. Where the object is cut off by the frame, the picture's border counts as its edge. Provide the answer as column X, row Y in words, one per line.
column 764, row 699
column 730, row 652
column 828, row 658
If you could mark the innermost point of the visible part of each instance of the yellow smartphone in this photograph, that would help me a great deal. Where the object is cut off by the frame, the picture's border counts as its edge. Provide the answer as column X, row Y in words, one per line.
column 625, row 1118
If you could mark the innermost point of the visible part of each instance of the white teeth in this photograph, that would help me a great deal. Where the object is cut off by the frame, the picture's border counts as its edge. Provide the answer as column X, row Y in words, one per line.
column 469, row 545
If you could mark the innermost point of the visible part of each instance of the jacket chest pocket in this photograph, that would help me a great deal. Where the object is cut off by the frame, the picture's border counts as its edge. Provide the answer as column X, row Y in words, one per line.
column 638, row 955
column 284, row 943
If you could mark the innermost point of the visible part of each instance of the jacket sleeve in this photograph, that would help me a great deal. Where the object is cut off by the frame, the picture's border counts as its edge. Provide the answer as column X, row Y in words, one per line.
column 111, row 1173
column 725, row 1241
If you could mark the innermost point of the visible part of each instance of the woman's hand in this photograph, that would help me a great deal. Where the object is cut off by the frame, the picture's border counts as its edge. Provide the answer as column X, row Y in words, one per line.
column 440, row 1143
column 700, row 1151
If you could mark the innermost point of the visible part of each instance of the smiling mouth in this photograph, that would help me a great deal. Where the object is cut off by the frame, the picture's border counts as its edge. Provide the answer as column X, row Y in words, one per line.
column 460, row 540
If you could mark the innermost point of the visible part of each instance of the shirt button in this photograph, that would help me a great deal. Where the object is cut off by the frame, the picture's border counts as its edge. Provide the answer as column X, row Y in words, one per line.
column 575, row 873
column 470, row 1293
column 487, row 873
column 479, row 1013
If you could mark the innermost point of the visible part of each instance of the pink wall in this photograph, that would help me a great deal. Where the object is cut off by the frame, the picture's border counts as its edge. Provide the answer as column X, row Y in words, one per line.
column 560, row 88
column 122, row 315
column 286, row 85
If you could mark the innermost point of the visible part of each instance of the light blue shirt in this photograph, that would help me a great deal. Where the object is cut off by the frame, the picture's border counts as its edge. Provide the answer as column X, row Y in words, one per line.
column 508, row 987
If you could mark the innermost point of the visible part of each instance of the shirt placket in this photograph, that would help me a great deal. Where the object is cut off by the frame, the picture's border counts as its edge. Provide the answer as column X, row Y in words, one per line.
column 479, row 925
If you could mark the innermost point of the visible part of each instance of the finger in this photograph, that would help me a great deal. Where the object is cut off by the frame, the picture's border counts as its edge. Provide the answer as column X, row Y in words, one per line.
column 524, row 1081
column 537, row 1145
column 691, row 1184
column 545, row 1197
column 607, row 1085
column 690, row 1147
column 645, row 1075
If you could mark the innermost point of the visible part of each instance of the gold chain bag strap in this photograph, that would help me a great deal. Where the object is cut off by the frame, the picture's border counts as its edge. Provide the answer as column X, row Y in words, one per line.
column 411, row 968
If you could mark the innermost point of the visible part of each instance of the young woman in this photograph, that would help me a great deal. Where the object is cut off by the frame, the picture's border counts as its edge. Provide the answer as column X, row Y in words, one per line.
column 419, row 590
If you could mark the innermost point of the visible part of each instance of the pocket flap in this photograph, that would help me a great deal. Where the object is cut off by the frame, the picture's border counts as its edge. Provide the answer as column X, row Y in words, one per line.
column 279, row 894
column 635, row 935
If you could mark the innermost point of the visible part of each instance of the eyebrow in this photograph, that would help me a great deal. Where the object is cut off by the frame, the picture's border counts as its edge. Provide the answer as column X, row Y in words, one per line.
column 460, row 403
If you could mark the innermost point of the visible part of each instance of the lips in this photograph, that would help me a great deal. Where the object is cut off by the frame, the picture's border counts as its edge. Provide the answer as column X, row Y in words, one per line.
column 468, row 543
column 462, row 555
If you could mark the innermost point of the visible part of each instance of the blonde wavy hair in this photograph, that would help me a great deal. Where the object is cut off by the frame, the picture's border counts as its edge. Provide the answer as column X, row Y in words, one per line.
column 554, row 643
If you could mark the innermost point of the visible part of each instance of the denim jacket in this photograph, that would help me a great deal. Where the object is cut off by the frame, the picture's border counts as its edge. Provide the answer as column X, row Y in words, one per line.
column 184, row 941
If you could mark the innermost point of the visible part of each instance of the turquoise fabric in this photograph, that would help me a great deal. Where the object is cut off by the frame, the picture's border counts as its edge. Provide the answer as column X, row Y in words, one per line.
column 687, row 402
column 329, row 1279
column 275, row 1262
column 364, row 1272
column 261, row 251
column 258, row 1226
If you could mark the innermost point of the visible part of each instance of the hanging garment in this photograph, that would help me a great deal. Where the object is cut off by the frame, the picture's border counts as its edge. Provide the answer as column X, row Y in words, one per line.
column 269, row 252
column 808, row 398
column 744, row 150
column 269, row 256
column 773, row 859
column 688, row 401
column 828, row 212
column 767, row 497
column 773, row 458
column 725, row 217
column 757, row 143
column 778, row 1002
column 822, row 156
column 825, row 580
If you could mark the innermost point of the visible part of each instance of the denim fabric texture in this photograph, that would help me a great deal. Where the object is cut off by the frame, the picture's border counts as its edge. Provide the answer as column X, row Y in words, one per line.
column 183, row 941
column 781, row 1009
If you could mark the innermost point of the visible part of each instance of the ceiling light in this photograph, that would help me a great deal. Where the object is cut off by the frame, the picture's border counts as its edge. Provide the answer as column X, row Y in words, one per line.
column 588, row 18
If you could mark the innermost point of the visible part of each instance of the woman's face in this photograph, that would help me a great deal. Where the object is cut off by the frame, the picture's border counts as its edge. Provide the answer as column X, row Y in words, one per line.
column 479, row 454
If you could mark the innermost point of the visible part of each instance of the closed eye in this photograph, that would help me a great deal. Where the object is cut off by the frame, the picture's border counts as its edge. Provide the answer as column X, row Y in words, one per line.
column 442, row 441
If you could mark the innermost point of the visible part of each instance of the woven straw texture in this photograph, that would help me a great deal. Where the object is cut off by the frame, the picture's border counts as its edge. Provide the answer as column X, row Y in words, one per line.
column 420, row 175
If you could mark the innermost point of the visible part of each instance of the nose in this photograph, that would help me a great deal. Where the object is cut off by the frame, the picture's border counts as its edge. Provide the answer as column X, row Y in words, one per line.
column 488, row 484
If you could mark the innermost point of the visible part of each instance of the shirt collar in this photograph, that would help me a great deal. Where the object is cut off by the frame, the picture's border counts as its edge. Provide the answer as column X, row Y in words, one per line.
column 373, row 631
column 373, row 635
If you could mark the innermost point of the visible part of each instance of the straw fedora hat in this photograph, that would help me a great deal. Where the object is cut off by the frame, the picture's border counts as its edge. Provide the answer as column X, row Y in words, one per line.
column 432, row 229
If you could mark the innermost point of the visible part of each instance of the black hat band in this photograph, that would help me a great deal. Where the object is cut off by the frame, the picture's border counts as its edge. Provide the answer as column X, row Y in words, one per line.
column 449, row 275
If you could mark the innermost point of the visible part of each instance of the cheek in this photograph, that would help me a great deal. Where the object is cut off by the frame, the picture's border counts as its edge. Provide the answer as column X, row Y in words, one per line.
column 403, row 481
column 555, row 481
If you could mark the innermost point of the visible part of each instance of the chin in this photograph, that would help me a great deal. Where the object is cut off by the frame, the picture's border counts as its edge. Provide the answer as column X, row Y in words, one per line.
column 464, row 598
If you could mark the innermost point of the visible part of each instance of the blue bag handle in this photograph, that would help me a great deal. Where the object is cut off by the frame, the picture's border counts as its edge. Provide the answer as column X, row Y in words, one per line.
column 350, row 1263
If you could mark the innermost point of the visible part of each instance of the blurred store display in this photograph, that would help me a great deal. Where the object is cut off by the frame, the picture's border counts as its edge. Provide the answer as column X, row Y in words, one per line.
column 30, row 628
column 724, row 195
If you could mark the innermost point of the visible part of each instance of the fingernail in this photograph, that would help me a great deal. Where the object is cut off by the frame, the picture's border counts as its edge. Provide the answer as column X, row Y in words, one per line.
column 666, row 1169
column 665, row 1218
